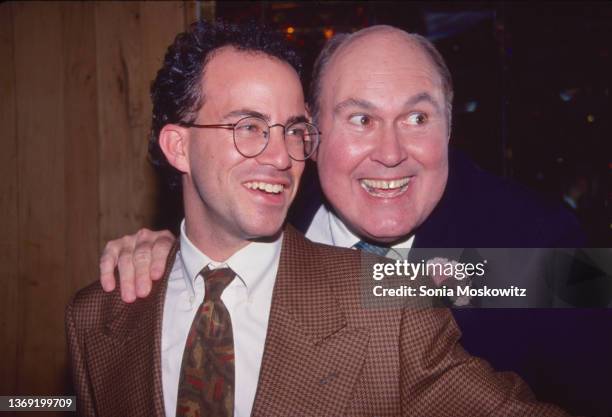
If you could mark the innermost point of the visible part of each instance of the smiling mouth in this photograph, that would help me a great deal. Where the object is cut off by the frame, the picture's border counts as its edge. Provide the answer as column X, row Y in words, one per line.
column 385, row 188
column 266, row 187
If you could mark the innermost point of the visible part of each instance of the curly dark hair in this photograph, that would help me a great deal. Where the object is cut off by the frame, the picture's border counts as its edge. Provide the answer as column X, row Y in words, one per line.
column 176, row 91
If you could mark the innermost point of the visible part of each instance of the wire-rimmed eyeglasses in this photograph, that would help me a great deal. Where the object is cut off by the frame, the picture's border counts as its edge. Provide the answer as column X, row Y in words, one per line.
column 252, row 134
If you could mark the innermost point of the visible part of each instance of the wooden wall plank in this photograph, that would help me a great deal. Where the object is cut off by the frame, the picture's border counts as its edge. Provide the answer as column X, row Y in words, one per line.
column 42, row 281
column 190, row 14
column 208, row 11
column 120, row 107
column 161, row 22
column 81, row 141
column 9, row 237
column 131, row 41
column 76, row 115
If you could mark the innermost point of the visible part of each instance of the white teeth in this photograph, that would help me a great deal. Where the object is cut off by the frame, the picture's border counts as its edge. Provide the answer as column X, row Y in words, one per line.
column 265, row 186
column 392, row 188
column 384, row 184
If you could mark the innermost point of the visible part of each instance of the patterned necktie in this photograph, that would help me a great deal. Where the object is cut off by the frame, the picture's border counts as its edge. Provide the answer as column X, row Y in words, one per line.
column 368, row 247
column 206, row 385
column 379, row 250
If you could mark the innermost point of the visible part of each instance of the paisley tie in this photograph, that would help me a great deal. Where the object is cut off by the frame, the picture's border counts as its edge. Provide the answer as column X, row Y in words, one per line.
column 206, row 384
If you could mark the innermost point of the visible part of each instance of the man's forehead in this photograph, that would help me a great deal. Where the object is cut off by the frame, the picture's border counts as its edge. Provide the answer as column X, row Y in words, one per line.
column 244, row 66
column 373, row 63
column 407, row 103
column 252, row 70
column 235, row 80
column 395, row 87
column 372, row 42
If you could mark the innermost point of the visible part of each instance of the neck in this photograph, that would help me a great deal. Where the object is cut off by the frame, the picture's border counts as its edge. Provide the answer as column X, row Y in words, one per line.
column 215, row 246
column 209, row 235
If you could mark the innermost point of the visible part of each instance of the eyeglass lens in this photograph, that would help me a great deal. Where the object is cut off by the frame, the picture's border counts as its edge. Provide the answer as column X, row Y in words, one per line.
column 251, row 136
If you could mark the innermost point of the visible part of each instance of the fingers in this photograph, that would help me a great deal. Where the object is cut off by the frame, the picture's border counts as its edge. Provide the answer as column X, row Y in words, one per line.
column 126, row 268
column 150, row 255
column 108, row 261
column 140, row 259
column 142, row 262
column 161, row 250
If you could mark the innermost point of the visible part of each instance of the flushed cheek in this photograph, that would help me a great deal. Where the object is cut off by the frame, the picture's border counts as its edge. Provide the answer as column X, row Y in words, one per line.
column 431, row 151
column 434, row 172
column 338, row 164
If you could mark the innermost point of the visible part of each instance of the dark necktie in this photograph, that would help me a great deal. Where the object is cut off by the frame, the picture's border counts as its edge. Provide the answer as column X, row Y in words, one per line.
column 206, row 384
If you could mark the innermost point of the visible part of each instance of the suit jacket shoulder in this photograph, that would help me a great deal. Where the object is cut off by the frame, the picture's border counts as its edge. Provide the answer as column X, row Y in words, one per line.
column 115, row 351
column 331, row 352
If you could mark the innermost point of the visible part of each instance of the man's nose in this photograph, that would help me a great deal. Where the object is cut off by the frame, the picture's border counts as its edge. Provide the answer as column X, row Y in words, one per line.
column 276, row 153
column 389, row 149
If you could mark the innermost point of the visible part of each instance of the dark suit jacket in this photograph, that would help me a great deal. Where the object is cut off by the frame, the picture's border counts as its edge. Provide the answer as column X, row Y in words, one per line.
column 563, row 354
column 325, row 353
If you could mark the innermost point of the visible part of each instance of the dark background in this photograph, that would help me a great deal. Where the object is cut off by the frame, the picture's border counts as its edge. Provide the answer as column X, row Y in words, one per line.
column 532, row 83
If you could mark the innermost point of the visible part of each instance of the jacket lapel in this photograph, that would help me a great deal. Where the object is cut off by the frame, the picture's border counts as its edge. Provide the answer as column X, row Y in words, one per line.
column 124, row 357
column 311, row 358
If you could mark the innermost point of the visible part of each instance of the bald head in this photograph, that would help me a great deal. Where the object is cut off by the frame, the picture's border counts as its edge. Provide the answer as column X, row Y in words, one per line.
column 368, row 39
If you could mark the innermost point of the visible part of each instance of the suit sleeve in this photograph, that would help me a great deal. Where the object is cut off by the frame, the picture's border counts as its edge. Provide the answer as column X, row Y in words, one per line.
column 80, row 379
column 437, row 377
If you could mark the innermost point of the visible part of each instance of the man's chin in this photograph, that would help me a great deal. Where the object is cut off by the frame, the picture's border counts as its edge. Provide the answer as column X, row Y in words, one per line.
column 268, row 231
column 387, row 233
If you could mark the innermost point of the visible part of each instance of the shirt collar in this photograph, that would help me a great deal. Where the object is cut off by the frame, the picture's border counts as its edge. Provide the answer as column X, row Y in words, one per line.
column 328, row 228
column 250, row 263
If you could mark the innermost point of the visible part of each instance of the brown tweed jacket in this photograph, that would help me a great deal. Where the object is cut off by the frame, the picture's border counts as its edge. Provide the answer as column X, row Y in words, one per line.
column 325, row 353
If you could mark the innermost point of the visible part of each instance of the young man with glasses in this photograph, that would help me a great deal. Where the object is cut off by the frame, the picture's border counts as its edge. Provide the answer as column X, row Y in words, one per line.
column 251, row 318
column 235, row 137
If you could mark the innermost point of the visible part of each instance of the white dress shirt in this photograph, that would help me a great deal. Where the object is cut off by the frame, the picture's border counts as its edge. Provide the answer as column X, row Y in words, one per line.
column 247, row 298
column 328, row 229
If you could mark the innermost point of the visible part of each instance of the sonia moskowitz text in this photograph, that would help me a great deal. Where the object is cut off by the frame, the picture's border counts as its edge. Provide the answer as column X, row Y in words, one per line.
column 459, row 291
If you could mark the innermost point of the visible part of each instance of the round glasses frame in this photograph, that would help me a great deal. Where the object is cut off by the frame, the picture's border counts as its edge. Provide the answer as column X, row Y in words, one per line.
column 312, row 134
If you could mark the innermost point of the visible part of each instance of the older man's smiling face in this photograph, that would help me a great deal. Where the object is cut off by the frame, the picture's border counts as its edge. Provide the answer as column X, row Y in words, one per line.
column 383, row 160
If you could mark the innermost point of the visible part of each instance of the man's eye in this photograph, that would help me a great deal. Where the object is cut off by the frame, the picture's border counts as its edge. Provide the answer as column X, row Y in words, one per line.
column 417, row 119
column 249, row 129
column 296, row 132
column 361, row 120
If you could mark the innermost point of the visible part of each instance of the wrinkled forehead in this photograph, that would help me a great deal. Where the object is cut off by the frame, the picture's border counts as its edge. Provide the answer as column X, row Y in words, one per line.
column 387, row 62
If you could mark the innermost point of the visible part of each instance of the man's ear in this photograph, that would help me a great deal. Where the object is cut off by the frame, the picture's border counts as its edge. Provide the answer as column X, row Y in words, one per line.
column 173, row 143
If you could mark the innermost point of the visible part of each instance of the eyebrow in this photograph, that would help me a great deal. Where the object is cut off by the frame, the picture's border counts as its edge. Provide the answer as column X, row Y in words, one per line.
column 246, row 113
column 368, row 105
column 252, row 113
column 420, row 98
column 354, row 102
column 296, row 119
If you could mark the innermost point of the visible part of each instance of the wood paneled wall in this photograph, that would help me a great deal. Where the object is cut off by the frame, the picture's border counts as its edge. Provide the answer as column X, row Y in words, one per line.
column 74, row 119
